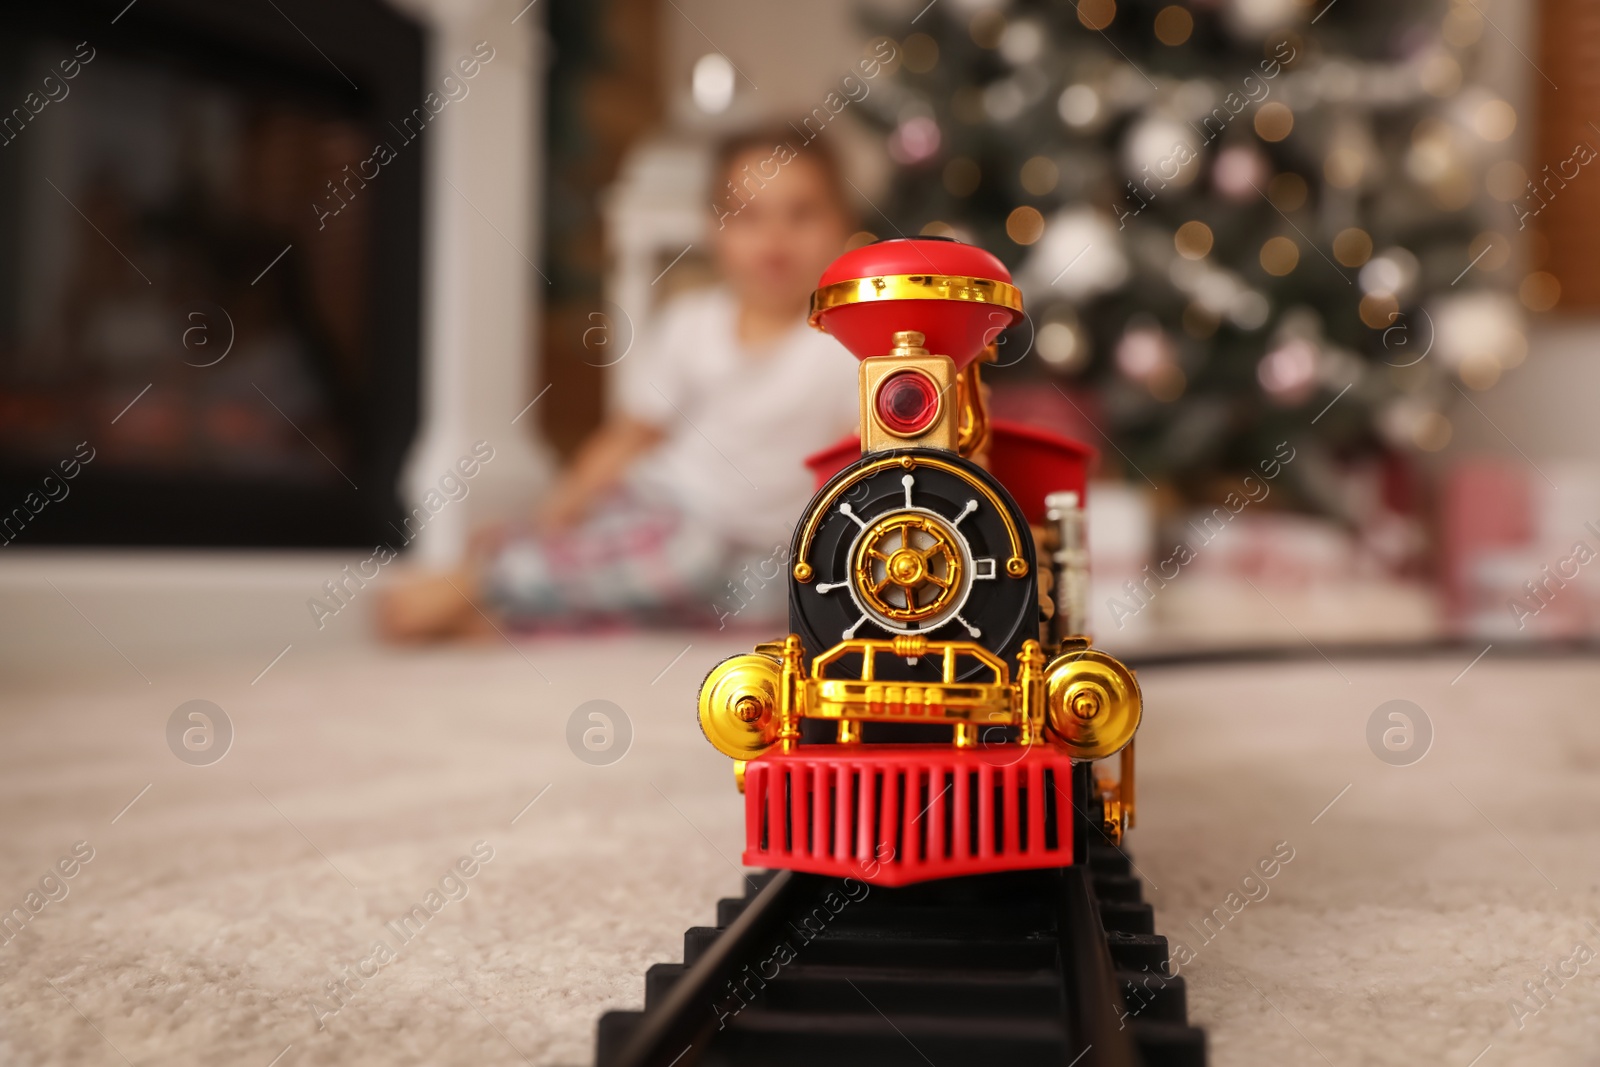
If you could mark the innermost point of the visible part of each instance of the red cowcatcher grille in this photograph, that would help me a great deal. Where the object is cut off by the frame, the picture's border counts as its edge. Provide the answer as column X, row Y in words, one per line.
column 892, row 815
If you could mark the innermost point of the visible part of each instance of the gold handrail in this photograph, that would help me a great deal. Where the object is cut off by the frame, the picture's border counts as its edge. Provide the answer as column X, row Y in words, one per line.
column 912, row 646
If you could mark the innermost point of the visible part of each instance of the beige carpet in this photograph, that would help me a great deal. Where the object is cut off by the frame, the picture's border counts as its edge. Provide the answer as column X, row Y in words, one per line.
column 219, row 906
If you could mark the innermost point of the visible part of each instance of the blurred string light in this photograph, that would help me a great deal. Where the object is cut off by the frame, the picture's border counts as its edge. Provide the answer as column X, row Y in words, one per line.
column 1126, row 87
column 1337, row 81
column 1436, row 160
column 1217, row 294
column 1040, row 175
column 1004, row 100
column 1463, row 25
column 1249, row 310
column 1260, row 18
column 1433, row 152
column 1240, row 172
column 914, row 140
column 1274, row 121
column 1192, row 240
column 1025, row 225
column 986, row 28
column 1494, row 120
column 1142, row 350
column 1352, row 246
column 1162, row 147
column 1478, row 334
column 1097, row 14
column 1173, row 25
column 1288, row 373
column 1279, row 256
column 1489, row 251
column 1079, row 256
column 1194, row 98
column 1433, row 432
column 1540, row 291
column 1379, row 311
column 1394, row 271
column 1351, row 155
column 1439, row 74
column 1062, row 344
column 712, row 83
column 1145, row 354
column 1079, row 106
column 1021, row 42
column 1409, row 421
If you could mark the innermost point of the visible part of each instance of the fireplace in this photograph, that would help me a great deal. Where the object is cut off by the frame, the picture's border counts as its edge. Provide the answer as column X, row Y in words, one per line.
column 210, row 275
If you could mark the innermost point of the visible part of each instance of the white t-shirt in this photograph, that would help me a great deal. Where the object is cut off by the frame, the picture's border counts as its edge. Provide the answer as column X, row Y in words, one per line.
column 738, row 423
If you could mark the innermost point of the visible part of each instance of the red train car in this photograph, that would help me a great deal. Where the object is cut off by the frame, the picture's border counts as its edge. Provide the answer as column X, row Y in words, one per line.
column 936, row 708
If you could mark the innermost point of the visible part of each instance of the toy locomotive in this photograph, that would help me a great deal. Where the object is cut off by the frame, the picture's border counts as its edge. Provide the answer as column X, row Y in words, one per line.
column 936, row 709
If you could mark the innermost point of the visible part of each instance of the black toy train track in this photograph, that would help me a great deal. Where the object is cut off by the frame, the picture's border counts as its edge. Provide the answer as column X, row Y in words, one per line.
column 1057, row 967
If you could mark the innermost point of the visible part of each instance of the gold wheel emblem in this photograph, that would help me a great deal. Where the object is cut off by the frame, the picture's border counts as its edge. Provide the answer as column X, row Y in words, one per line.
column 908, row 567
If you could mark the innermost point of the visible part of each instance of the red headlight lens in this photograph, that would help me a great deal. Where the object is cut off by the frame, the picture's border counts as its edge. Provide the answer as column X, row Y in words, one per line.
column 907, row 402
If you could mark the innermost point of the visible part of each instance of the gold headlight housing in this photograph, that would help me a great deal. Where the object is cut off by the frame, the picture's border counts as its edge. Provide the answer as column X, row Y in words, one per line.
column 739, row 705
column 1093, row 703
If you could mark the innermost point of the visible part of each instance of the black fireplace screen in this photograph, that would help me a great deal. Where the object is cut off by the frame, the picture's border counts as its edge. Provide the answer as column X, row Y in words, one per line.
column 202, row 308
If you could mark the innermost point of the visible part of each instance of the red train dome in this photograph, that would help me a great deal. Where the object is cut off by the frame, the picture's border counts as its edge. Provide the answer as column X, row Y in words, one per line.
column 963, row 297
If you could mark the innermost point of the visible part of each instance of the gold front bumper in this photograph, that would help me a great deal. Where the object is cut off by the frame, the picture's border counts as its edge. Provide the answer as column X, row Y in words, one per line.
column 865, row 699
column 1084, row 699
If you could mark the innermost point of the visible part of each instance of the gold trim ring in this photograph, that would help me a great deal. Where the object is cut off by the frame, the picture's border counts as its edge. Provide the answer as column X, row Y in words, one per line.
column 915, row 287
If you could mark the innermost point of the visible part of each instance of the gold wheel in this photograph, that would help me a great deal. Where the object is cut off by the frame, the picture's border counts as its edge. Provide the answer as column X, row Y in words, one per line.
column 908, row 567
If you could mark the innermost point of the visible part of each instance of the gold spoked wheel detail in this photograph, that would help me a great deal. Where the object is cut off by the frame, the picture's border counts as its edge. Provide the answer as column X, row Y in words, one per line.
column 908, row 567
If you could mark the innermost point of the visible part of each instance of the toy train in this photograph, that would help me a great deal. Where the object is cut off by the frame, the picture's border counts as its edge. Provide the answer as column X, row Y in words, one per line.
column 936, row 709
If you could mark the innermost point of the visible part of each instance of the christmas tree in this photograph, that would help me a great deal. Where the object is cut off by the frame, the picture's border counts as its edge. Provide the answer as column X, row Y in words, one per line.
column 1234, row 222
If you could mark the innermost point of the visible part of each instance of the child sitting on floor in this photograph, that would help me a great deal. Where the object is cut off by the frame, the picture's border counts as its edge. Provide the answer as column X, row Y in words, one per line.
column 696, row 473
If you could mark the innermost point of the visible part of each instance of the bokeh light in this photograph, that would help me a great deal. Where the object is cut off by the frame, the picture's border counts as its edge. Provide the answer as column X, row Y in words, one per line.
column 1097, row 14
column 1352, row 247
column 1193, row 240
column 1540, row 291
column 1025, row 225
column 1173, row 25
column 1279, row 256
column 1274, row 121
column 1040, row 175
